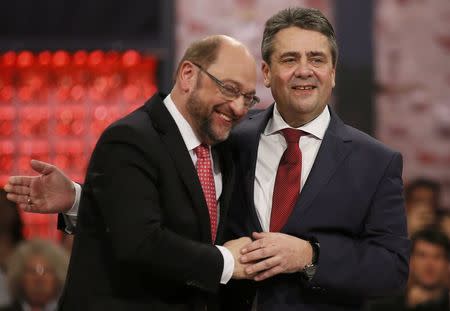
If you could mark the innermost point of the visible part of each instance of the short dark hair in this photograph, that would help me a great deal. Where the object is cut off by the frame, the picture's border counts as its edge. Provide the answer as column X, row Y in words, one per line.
column 421, row 183
column 203, row 52
column 432, row 236
column 304, row 18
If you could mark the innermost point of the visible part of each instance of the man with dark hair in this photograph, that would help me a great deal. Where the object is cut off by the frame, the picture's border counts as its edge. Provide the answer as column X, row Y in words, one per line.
column 422, row 203
column 427, row 288
column 423, row 190
column 322, row 200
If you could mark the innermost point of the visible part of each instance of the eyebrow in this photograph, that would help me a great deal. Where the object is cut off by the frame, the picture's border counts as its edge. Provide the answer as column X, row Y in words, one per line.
column 316, row 53
column 291, row 53
column 297, row 54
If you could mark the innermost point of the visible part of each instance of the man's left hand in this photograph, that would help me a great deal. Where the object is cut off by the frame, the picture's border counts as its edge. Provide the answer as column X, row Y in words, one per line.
column 275, row 253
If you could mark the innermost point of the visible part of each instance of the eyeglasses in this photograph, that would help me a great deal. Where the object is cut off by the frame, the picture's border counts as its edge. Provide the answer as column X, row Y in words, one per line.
column 230, row 92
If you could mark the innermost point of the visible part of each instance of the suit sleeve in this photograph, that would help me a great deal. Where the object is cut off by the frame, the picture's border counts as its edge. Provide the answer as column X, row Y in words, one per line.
column 376, row 263
column 122, row 181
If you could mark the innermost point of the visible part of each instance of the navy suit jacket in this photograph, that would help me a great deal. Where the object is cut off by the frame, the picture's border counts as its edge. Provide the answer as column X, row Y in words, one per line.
column 351, row 204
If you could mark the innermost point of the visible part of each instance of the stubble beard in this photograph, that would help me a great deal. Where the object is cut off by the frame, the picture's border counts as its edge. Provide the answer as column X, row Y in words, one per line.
column 201, row 116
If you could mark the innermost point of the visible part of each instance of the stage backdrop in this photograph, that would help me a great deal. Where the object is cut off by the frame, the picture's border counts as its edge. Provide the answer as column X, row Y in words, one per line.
column 412, row 40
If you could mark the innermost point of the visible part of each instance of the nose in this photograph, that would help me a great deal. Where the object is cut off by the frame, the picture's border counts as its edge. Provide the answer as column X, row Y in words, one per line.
column 238, row 106
column 303, row 70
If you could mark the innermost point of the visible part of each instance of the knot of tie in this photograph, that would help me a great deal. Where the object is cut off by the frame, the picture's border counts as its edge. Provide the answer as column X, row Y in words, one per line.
column 292, row 154
column 292, row 135
column 202, row 151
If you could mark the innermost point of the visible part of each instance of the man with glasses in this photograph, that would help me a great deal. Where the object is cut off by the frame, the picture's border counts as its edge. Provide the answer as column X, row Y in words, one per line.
column 157, row 191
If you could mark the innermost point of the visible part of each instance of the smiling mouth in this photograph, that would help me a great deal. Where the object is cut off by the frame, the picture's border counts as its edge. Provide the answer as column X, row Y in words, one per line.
column 304, row 87
column 225, row 117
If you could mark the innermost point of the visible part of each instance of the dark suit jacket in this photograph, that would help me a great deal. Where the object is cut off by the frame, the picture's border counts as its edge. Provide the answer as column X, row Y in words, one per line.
column 399, row 303
column 143, row 237
column 15, row 306
column 351, row 204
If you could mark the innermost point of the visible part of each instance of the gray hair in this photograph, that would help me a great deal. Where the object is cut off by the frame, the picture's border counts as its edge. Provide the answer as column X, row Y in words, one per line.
column 304, row 18
column 54, row 254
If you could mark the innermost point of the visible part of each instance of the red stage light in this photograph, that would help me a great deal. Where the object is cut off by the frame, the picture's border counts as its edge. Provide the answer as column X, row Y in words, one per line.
column 9, row 59
column 44, row 58
column 61, row 58
column 6, row 93
column 80, row 58
column 96, row 58
column 25, row 59
column 131, row 58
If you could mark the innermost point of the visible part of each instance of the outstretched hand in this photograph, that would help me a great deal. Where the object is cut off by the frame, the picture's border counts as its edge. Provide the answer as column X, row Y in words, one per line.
column 50, row 192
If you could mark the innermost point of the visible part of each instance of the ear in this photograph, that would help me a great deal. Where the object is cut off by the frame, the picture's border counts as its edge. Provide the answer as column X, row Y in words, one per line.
column 265, row 68
column 333, row 77
column 187, row 76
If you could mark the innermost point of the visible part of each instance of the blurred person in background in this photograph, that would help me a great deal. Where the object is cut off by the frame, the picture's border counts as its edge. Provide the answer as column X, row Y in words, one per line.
column 10, row 235
column 444, row 226
column 36, row 275
column 444, row 221
column 423, row 190
column 428, row 280
column 422, row 203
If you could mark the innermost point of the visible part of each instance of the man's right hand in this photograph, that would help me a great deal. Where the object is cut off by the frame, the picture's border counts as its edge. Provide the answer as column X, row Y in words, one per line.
column 235, row 246
column 50, row 192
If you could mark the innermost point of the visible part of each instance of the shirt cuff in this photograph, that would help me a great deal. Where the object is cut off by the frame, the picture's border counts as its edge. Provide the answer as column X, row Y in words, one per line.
column 228, row 264
column 74, row 209
column 70, row 217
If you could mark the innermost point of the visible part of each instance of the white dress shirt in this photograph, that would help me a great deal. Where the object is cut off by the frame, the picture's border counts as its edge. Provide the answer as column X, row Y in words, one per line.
column 191, row 141
column 272, row 145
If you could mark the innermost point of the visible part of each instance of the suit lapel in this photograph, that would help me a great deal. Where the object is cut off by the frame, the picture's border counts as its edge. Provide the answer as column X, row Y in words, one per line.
column 223, row 154
column 333, row 150
column 173, row 142
column 254, row 127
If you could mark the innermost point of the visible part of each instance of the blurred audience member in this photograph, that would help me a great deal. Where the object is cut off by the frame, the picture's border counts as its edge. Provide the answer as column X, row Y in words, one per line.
column 423, row 190
column 444, row 222
column 36, row 274
column 422, row 200
column 427, row 288
column 10, row 236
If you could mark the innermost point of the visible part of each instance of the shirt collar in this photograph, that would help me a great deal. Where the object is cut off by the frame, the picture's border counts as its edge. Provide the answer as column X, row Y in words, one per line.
column 316, row 127
column 190, row 139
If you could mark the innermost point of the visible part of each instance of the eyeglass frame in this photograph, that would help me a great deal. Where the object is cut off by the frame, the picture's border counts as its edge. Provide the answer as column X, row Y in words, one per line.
column 236, row 92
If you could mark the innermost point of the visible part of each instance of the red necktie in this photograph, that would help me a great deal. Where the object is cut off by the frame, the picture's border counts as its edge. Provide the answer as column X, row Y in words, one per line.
column 205, row 174
column 287, row 182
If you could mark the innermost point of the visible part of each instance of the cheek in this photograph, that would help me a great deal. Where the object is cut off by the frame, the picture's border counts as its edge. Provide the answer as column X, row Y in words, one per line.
column 281, row 81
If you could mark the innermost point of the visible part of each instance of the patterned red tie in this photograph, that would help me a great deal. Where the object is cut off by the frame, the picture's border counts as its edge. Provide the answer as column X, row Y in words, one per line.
column 205, row 174
column 287, row 182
